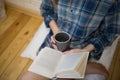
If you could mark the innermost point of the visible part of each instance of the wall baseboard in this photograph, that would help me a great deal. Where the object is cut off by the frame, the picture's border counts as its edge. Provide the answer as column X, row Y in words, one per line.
column 23, row 10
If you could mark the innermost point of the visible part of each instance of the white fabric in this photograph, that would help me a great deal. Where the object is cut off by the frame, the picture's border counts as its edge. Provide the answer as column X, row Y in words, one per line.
column 108, row 54
column 33, row 46
column 94, row 77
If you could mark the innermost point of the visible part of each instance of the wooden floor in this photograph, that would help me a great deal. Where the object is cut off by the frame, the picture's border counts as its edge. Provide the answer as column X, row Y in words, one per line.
column 15, row 34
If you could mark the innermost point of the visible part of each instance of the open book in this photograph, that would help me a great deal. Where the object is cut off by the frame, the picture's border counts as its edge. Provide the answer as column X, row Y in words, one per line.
column 52, row 63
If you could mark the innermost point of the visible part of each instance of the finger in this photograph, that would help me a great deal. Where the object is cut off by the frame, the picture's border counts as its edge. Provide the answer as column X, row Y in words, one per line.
column 68, row 52
column 54, row 46
column 53, row 40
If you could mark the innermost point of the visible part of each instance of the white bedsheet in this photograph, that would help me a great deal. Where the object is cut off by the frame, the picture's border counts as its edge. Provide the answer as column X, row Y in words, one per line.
column 36, row 42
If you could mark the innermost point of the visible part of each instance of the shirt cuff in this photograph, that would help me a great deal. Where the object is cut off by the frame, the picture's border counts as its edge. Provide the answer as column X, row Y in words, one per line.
column 98, row 47
column 48, row 18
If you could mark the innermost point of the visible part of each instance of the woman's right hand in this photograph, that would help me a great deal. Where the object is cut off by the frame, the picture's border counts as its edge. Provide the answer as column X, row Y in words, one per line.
column 55, row 30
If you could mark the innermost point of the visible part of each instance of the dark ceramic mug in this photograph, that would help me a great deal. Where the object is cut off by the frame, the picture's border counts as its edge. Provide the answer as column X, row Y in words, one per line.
column 62, row 40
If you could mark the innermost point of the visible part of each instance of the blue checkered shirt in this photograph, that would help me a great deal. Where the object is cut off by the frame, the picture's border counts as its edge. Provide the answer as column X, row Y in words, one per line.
column 94, row 22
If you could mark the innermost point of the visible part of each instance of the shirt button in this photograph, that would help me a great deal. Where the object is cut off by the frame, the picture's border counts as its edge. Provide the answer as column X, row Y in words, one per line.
column 71, row 10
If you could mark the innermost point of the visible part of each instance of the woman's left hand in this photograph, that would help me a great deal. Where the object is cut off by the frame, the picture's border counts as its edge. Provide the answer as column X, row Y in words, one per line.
column 88, row 48
column 74, row 51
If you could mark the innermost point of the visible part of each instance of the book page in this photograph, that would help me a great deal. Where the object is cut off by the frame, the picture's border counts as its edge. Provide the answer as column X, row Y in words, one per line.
column 81, row 67
column 69, row 62
column 46, row 62
column 72, row 75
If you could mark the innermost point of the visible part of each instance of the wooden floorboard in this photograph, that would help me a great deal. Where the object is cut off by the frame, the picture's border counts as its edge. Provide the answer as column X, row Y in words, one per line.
column 24, row 70
column 15, row 34
column 11, row 18
column 12, row 31
column 115, row 65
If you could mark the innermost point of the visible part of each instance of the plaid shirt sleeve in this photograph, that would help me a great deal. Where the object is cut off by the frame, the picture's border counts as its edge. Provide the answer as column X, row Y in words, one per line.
column 48, row 11
column 110, row 28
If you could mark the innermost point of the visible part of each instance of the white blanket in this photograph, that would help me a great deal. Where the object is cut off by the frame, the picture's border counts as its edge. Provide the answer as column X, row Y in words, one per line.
column 108, row 54
column 36, row 42
column 32, row 48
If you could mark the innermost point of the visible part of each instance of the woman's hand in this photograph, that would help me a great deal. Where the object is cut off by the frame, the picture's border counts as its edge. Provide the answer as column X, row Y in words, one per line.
column 88, row 48
column 55, row 30
column 74, row 51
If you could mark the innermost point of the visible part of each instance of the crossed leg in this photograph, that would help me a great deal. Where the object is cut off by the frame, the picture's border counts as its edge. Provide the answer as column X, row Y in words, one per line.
column 96, row 68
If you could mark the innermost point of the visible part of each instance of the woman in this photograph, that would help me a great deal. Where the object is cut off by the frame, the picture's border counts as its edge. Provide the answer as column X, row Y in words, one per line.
column 93, row 25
